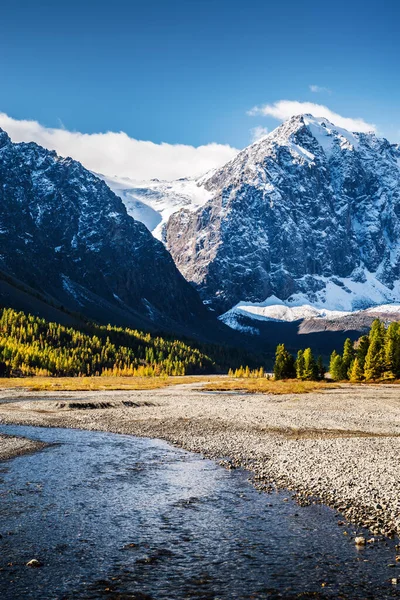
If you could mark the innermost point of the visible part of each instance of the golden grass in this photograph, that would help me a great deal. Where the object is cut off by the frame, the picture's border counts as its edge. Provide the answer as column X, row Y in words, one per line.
column 211, row 383
column 70, row 384
column 267, row 386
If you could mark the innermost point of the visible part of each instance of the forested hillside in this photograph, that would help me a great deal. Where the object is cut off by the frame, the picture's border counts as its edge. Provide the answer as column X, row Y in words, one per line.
column 67, row 236
column 32, row 346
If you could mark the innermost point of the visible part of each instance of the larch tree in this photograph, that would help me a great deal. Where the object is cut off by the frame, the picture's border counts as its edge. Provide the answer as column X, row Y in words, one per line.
column 284, row 363
column 348, row 355
column 356, row 373
column 336, row 367
column 300, row 364
column 310, row 366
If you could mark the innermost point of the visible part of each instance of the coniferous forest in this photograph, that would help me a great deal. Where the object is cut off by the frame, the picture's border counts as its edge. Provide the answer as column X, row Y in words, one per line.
column 304, row 367
column 32, row 346
column 373, row 357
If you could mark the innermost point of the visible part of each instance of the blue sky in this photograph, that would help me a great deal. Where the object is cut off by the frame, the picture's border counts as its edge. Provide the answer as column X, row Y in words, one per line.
column 189, row 72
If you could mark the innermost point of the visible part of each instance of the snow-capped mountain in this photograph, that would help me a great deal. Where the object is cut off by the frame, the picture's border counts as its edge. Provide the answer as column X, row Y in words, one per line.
column 307, row 216
column 153, row 202
column 66, row 235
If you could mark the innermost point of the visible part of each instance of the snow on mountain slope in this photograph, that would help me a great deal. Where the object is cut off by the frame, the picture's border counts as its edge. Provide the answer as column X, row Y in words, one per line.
column 384, row 309
column 338, row 299
column 153, row 202
column 309, row 214
column 274, row 309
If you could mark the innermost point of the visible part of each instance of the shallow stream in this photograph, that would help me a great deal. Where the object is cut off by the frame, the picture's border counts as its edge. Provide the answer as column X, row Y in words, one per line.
column 114, row 516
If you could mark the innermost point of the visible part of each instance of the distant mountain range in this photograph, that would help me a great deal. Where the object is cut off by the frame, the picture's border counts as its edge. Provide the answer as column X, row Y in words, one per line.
column 304, row 223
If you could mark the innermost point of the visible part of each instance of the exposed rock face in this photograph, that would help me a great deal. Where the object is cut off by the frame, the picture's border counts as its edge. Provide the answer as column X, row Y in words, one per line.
column 65, row 233
column 309, row 214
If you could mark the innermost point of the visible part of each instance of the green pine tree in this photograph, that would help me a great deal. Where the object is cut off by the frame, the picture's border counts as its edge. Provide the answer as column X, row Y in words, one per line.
column 377, row 331
column 392, row 351
column 300, row 364
column 374, row 362
column 362, row 346
column 336, row 367
column 348, row 356
column 284, row 363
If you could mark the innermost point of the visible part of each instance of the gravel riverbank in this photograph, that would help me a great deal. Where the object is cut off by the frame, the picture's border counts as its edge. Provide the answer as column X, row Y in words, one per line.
column 11, row 446
column 340, row 446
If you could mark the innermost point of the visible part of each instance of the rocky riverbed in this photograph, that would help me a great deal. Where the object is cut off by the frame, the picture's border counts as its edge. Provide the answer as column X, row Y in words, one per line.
column 339, row 446
column 11, row 446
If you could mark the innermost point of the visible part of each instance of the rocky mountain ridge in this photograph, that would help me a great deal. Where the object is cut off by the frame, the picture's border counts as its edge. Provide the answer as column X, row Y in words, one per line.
column 67, row 236
column 309, row 214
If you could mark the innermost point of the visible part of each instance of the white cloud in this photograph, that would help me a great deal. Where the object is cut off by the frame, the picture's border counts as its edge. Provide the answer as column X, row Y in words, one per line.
column 317, row 89
column 258, row 132
column 284, row 109
column 120, row 155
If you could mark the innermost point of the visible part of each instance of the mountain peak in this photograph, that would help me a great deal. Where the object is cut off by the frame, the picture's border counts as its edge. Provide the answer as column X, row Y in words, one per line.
column 318, row 127
column 309, row 213
column 305, row 138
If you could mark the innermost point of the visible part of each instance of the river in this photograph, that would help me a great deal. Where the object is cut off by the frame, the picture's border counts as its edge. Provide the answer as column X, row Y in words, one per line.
column 119, row 517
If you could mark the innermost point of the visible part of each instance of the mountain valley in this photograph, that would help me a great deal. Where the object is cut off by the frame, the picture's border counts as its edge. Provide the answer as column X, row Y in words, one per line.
column 299, row 233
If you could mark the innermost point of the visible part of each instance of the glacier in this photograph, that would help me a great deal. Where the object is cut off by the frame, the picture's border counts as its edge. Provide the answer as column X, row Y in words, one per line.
column 153, row 202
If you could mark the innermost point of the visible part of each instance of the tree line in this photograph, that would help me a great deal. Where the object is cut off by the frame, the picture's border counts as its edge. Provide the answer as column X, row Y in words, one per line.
column 30, row 345
column 247, row 373
column 304, row 367
column 372, row 357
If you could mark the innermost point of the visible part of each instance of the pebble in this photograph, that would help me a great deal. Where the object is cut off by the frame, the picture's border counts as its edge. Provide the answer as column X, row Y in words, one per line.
column 34, row 563
column 360, row 541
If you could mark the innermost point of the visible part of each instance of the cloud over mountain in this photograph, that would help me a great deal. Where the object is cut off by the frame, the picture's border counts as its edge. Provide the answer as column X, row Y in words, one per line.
column 284, row 109
column 117, row 154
